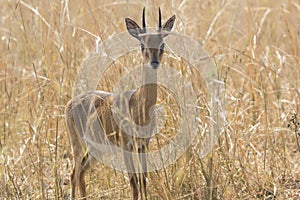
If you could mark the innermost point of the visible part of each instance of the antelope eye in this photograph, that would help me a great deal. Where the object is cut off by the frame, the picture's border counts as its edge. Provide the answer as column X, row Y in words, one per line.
column 142, row 46
column 162, row 46
column 144, row 50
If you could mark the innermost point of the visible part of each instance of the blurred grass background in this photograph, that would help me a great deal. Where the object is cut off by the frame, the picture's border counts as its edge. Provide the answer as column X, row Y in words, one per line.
column 255, row 45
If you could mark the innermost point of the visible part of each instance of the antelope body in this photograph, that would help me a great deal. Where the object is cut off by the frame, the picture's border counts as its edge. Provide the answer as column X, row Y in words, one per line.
column 139, row 103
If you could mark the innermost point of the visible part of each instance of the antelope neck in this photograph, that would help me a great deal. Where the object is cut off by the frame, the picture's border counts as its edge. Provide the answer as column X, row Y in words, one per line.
column 149, row 88
column 144, row 98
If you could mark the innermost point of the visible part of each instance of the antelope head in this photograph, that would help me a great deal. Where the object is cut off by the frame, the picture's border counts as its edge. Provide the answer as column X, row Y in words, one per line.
column 152, row 44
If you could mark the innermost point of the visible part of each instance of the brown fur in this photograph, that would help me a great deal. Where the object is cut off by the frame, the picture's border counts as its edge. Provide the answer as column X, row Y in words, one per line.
column 83, row 110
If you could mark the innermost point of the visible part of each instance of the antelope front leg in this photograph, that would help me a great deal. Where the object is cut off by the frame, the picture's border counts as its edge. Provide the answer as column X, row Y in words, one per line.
column 134, row 185
column 142, row 183
column 132, row 176
column 143, row 174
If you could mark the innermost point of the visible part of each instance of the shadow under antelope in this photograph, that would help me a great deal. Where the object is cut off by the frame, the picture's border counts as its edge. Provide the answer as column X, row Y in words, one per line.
column 139, row 103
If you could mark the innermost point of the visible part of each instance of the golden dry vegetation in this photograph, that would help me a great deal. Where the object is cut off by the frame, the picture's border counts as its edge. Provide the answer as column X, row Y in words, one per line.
column 255, row 45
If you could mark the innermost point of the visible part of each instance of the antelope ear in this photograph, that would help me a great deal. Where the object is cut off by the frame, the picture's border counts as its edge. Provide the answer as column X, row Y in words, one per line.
column 133, row 28
column 168, row 25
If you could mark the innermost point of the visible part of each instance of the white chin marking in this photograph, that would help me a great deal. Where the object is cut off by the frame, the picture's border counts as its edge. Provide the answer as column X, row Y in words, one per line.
column 153, row 66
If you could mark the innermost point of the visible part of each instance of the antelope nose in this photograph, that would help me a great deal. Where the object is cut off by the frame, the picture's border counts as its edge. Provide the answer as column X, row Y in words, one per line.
column 154, row 64
column 141, row 149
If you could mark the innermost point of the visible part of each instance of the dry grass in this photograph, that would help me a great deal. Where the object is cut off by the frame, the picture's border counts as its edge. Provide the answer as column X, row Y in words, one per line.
column 256, row 46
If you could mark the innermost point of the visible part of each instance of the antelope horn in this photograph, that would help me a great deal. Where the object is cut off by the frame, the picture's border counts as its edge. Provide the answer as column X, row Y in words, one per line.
column 143, row 20
column 159, row 19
